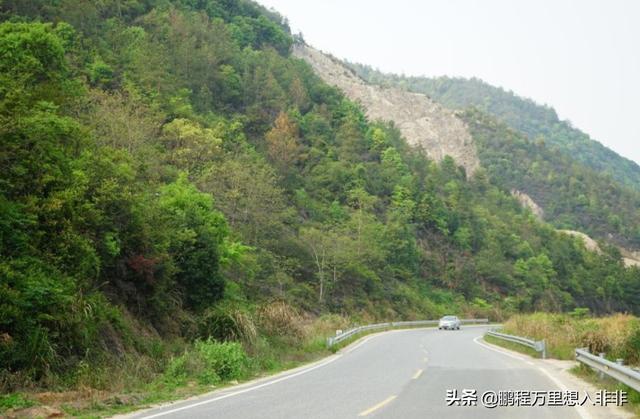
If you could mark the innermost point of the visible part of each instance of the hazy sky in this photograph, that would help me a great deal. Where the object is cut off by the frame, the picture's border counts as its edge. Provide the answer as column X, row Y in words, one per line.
column 581, row 57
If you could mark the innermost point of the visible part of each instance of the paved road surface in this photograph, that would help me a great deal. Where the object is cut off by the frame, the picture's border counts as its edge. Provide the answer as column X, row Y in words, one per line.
column 399, row 374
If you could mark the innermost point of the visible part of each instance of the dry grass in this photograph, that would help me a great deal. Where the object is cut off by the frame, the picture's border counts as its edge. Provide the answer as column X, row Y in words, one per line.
column 280, row 319
column 617, row 335
column 327, row 325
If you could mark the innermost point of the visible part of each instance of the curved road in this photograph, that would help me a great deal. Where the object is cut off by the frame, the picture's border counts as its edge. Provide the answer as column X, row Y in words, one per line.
column 397, row 374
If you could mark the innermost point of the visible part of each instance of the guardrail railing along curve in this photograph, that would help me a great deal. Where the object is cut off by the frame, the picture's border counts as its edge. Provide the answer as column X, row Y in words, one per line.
column 536, row 345
column 354, row 331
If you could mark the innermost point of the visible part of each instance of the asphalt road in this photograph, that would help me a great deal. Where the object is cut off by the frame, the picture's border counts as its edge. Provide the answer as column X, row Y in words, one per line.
column 398, row 374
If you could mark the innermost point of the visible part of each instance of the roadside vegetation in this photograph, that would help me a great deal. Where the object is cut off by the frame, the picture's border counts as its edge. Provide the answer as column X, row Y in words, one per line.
column 618, row 336
column 184, row 205
column 248, row 344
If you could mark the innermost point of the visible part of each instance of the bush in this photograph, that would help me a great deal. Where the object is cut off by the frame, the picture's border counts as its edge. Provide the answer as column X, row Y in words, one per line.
column 209, row 362
column 280, row 319
column 226, row 324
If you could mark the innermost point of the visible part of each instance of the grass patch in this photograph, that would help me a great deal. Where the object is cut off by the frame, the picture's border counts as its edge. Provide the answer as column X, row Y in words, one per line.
column 15, row 401
column 512, row 346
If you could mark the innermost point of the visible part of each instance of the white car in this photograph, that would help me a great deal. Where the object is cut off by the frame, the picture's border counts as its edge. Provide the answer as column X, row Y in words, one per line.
column 449, row 323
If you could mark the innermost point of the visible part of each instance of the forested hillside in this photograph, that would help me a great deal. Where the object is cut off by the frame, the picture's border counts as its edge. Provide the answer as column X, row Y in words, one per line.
column 600, row 190
column 573, row 196
column 169, row 173
column 524, row 115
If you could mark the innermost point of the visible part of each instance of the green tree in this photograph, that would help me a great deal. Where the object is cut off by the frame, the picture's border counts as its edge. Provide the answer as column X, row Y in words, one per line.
column 197, row 241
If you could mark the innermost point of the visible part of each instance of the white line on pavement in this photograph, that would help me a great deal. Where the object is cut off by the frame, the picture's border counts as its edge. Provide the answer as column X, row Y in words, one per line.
column 168, row 412
column 365, row 340
column 580, row 410
column 246, row 390
column 497, row 350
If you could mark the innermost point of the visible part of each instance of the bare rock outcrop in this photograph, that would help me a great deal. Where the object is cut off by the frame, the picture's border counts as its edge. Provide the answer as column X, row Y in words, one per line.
column 589, row 243
column 527, row 202
column 629, row 257
column 424, row 123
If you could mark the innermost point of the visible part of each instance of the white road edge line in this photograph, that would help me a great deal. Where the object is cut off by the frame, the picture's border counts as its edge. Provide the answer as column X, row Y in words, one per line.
column 497, row 350
column 582, row 412
column 365, row 340
column 246, row 390
column 286, row 377
column 268, row 383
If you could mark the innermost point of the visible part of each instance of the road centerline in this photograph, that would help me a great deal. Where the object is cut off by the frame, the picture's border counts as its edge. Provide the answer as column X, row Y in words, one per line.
column 417, row 374
column 377, row 406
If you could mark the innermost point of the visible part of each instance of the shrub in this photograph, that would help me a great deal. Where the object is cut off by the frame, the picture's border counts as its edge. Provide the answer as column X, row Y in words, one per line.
column 225, row 324
column 209, row 362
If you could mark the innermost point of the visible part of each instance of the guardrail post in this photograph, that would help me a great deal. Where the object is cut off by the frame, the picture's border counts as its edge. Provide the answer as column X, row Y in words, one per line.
column 620, row 361
column 600, row 373
column 544, row 349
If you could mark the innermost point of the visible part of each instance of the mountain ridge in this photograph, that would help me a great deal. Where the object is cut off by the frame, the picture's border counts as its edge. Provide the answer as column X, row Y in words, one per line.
column 521, row 113
column 600, row 194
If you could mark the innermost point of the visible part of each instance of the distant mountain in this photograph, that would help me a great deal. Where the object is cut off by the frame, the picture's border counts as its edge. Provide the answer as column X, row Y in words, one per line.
column 572, row 195
column 579, row 183
column 534, row 120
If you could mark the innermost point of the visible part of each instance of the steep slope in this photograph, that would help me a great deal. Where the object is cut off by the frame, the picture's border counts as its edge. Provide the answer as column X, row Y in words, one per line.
column 573, row 196
column 534, row 120
column 578, row 183
column 421, row 121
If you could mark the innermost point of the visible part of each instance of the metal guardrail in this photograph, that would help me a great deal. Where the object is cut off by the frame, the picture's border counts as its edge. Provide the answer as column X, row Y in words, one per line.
column 614, row 370
column 538, row 346
column 379, row 326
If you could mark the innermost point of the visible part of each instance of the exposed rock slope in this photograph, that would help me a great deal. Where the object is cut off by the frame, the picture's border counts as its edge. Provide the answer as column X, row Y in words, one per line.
column 629, row 257
column 421, row 121
column 527, row 202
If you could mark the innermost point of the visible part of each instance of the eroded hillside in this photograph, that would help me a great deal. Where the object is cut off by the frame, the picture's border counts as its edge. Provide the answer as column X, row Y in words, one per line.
column 422, row 122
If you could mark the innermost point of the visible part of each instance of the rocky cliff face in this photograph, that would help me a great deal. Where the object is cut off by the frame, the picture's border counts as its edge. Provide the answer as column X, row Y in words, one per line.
column 424, row 123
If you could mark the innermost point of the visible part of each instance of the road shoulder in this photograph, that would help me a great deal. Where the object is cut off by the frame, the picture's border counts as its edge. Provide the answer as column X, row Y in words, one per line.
column 559, row 372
